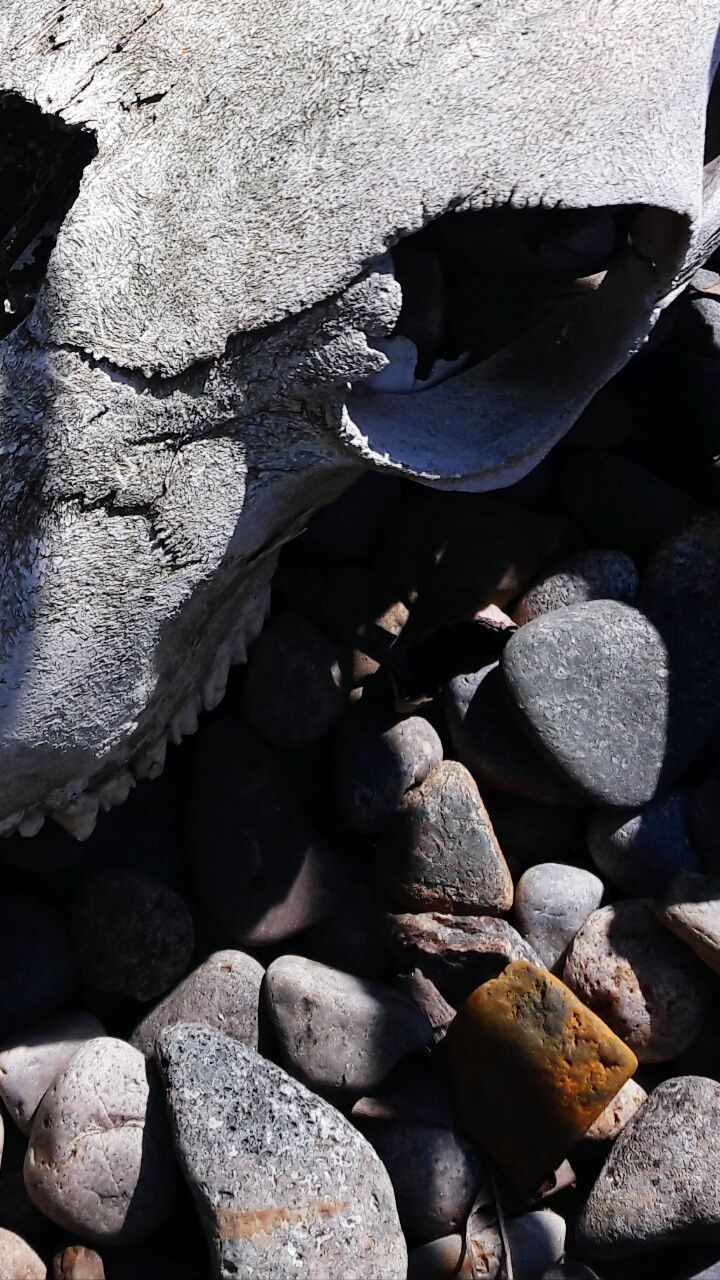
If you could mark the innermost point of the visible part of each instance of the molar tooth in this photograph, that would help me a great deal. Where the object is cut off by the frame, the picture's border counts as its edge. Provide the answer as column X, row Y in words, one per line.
column 185, row 722
column 31, row 823
column 213, row 690
column 78, row 818
column 150, row 762
column 11, row 824
column 115, row 790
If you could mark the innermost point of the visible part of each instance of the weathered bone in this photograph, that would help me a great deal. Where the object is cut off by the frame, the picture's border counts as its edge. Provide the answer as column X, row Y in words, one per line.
column 179, row 400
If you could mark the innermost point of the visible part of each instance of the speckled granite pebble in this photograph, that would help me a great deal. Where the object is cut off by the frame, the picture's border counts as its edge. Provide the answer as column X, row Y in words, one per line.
column 285, row 1186
column 661, row 1182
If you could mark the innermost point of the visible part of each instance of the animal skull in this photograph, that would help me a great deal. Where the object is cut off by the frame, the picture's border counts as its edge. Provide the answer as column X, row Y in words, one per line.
column 196, row 375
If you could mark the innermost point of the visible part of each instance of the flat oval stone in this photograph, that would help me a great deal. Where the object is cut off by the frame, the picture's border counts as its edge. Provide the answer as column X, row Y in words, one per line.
column 642, row 850
column 588, row 575
column 17, row 1260
column 223, row 992
column 33, row 1059
column 591, row 686
column 531, row 1068
column 486, row 739
column 337, row 1032
column 456, row 953
column 377, row 759
column 552, row 901
column 691, row 910
column 648, row 987
column 661, row 1182
column 440, row 852
column 99, row 1162
column 296, row 1190
column 132, row 933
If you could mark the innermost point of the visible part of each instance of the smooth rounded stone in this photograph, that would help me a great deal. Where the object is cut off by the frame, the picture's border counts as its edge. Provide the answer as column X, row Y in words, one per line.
column 591, row 686
column 535, row 833
column 443, row 1259
column 223, row 992
column 296, row 1190
column 704, row 819
column 486, row 739
column 261, row 872
column 32, row 1060
column 346, row 529
column 457, row 953
column 647, row 986
column 617, row 1114
column 99, row 1162
column 691, row 909
column 78, row 1263
column 377, row 759
column 661, row 1182
column 641, row 850
column 588, row 575
column 440, row 852
column 297, row 683
column 17, row 1260
column 537, row 1240
column 552, row 901
column 34, row 943
column 336, row 1032
column 617, row 503
column 132, row 934
column 435, row 1175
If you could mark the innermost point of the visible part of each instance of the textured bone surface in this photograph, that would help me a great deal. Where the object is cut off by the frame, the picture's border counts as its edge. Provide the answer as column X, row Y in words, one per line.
column 177, row 403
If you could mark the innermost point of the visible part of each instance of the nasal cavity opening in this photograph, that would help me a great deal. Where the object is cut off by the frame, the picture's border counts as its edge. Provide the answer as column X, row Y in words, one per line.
column 42, row 160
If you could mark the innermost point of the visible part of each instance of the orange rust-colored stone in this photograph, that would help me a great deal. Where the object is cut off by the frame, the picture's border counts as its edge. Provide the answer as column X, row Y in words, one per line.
column 531, row 1069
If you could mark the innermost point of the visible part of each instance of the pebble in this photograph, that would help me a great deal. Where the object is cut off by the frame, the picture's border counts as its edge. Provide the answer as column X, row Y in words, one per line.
column 78, row 1263
column 531, row 1069
column 17, row 1260
column 661, row 1182
column 132, row 934
column 642, row 850
column 611, row 1122
column 32, row 1060
column 34, row 943
column 336, row 1032
column 261, row 872
column 99, row 1162
column 618, row 503
column 704, row 819
column 440, row 852
column 443, row 1259
column 691, row 909
column 552, row 901
column 591, row 686
column 296, row 1190
column 297, row 683
column 377, row 759
column 456, row 953
column 588, row 575
column 223, row 992
column 649, row 987
column 486, row 739
column 435, row 1175
column 536, row 1240
column 706, row 1267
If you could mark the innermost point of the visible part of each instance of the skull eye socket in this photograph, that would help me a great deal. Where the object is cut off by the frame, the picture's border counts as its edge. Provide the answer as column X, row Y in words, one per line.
column 42, row 161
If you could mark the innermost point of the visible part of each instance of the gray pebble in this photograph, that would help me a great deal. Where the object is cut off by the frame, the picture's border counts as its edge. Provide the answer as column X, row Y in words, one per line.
column 337, row 1032
column 642, row 850
column 99, row 1162
column 443, row 1259
column 661, row 1182
column 440, row 852
column 377, row 760
column 223, row 992
column 284, row 1185
column 537, row 1240
column 297, row 683
column 435, row 1175
column 691, row 909
column 457, row 953
column 588, row 575
column 552, row 901
column 32, row 1060
column 590, row 684
column 645, row 984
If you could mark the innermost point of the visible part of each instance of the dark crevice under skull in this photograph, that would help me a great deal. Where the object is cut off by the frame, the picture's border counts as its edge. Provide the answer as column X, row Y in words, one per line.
column 211, row 353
